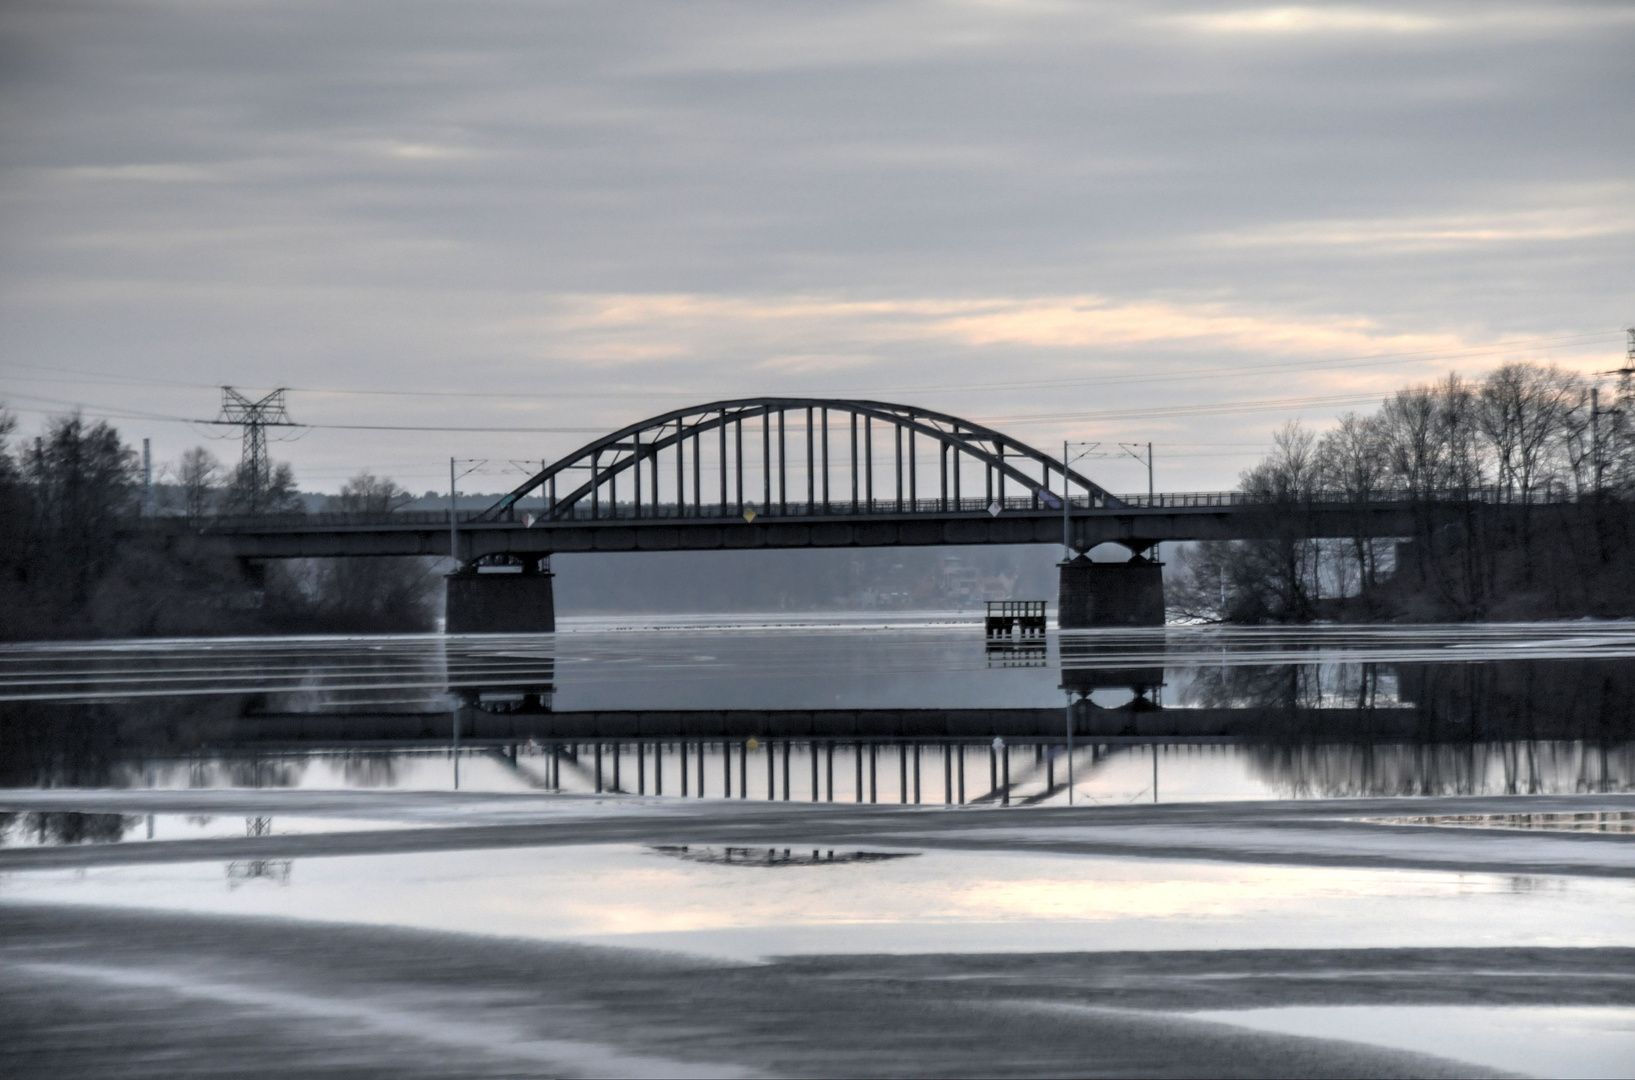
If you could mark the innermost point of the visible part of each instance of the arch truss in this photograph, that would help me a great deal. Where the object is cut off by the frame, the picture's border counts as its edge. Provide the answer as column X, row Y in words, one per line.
column 800, row 456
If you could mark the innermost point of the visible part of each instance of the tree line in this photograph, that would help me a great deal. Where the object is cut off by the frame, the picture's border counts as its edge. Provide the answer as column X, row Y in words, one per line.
column 74, row 564
column 1520, row 486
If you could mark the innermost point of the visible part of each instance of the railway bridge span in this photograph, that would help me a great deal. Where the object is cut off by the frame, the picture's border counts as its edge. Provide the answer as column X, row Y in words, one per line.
column 777, row 472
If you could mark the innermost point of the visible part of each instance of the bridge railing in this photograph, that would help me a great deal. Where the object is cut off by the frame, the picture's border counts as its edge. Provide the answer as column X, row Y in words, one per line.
column 1490, row 495
column 627, row 511
column 339, row 519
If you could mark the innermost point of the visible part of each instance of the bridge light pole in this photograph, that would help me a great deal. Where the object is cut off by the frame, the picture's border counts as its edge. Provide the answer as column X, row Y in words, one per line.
column 1133, row 449
column 1086, row 449
column 453, row 505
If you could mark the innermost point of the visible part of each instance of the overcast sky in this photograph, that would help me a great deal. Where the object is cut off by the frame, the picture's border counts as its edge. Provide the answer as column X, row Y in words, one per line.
column 1102, row 221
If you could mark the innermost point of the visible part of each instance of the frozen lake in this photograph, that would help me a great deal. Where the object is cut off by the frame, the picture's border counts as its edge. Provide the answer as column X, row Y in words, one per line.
column 1326, row 850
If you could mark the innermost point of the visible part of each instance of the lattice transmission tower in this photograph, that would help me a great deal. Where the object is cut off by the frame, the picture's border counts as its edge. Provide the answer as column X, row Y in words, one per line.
column 255, row 417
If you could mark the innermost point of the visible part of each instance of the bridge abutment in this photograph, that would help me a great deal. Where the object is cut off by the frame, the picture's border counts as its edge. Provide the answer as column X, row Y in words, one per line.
column 1110, row 594
column 501, row 599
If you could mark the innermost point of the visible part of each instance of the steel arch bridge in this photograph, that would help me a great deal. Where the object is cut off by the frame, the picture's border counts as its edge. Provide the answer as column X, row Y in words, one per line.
column 787, row 456
column 789, row 473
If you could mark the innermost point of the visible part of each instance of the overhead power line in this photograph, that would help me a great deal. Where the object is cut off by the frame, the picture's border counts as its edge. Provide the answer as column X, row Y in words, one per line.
column 1159, row 412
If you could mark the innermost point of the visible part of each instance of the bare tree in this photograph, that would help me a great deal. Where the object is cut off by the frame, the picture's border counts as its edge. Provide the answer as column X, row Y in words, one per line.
column 1525, row 408
column 278, row 496
column 1527, row 430
column 8, row 424
column 1461, row 466
column 1278, row 577
column 1463, row 469
column 368, row 493
column 1408, row 433
column 196, row 474
column 1574, row 445
column 1290, row 470
column 360, row 595
column 1351, row 459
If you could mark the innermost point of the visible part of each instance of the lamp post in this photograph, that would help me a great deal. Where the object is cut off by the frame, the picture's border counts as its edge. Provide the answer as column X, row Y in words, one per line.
column 1133, row 450
column 1086, row 449
column 454, row 505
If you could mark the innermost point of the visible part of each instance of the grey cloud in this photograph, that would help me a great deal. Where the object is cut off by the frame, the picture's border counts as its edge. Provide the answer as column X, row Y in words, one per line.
column 407, row 194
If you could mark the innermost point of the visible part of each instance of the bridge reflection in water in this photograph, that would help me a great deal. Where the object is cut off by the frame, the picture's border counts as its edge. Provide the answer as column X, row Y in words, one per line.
column 923, row 770
column 918, row 771
column 902, row 716
column 1129, row 710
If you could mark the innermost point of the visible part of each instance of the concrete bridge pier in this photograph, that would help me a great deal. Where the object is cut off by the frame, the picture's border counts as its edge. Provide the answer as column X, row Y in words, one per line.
column 1110, row 594
column 501, row 598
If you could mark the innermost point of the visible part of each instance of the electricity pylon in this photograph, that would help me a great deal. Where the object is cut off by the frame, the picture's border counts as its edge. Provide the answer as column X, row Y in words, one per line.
column 255, row 417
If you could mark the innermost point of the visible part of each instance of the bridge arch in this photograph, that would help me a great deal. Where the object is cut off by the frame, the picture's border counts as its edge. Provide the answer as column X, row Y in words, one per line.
column 861, row 474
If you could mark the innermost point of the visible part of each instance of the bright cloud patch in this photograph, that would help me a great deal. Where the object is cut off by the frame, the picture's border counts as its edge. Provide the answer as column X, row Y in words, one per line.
column 1310, row 20
column 816, row 333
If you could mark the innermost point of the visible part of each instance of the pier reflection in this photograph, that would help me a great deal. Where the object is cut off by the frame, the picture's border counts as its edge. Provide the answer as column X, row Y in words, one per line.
column 1097, row 674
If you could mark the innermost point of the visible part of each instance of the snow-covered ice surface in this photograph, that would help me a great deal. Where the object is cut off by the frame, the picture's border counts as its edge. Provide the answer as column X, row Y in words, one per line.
column 1541, row 967
column 1581, row 1041
column 936, row 902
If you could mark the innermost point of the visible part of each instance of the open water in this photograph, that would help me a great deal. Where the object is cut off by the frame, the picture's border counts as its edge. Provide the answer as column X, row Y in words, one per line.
column 842, row 709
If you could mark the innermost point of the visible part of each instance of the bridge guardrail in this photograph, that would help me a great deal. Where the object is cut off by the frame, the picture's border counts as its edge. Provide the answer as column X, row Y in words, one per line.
column 626, row 512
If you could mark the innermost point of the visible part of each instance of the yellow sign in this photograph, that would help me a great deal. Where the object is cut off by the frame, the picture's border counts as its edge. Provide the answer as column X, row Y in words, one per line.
column 749, row 515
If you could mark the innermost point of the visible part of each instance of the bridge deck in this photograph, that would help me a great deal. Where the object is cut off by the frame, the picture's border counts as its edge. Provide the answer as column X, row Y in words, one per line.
column 1191, row 516
column 316, row 729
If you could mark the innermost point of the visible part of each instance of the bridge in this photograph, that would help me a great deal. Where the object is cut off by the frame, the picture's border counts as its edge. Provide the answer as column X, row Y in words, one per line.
column 797, row 473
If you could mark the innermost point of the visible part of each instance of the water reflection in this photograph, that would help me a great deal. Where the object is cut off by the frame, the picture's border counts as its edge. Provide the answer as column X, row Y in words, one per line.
column 941, row 901
column 57, row 829
column 917, row 714
column 1517, row 767
column 244, row 871
column 54, row 829
column 774, row 857
column 1596, row 821
column 1017, row 654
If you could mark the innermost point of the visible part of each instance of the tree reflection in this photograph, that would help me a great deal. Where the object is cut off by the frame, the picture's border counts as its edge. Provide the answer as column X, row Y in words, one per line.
column 1520, row 727
column 101, row 744
column 52, row 829
column 1291, row 686
column 255, row 772
column 1523, row 700
column 45, row 745
column 370, row 770
column 1508, row 768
